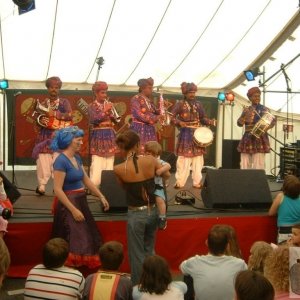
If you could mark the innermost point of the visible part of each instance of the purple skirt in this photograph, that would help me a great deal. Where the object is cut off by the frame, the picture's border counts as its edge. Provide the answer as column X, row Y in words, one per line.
column 103, row 142
column 186, row 146
column 145, row 131
column 83, row 237
column 250, row 144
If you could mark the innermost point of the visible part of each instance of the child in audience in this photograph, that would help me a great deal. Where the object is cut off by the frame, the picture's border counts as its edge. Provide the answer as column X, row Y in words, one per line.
column 154, row 148
column 295, row 238
column 109, row 283
column 258, row 253
column 156, row 281
column 53, row 280
column 233, row 248
column 277, row 271
column 286, row 206
column 5, row 209
column 250, row 285
column 4, row 260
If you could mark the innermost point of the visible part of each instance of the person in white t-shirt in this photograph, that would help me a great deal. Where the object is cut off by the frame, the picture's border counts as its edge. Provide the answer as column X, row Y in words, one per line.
column 156, row 282
column 213, row 274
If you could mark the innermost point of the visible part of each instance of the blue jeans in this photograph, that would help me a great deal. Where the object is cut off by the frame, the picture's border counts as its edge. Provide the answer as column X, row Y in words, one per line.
column 141, row 234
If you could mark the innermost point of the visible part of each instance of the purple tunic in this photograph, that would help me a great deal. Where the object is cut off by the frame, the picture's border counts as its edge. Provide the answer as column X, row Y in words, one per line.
column 190, row 112
column 63, row 112
column 144, row 117
column 249, row 143
column 102, row 140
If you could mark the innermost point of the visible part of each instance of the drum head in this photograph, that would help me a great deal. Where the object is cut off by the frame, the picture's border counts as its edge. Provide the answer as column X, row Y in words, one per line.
column 203, row 136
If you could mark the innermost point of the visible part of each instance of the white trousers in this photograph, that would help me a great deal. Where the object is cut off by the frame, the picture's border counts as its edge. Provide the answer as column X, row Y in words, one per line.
column 44, row 167
column 98, row 165
column 183, row 167
column 253, row 161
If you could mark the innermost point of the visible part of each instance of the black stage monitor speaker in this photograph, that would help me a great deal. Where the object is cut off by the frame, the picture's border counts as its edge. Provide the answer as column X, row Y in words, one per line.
column 234, row 188
column 11, row 191
column 170, row 158
column 113, row 192
column 230, row 155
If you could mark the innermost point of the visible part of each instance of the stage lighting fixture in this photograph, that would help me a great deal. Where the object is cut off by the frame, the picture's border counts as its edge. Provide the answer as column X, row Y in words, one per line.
column 25, row 6
column 221, row 96
column 3, row 84
column 229, row 96
column 252, row 73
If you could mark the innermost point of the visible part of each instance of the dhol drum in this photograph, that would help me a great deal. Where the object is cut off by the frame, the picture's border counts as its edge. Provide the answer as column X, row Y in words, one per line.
column 262, row 125
column 203, row 136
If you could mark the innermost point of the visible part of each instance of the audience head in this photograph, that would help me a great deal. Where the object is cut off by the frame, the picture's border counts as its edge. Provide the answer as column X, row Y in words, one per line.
column 153, row 148
column 233, row 248
column 156, row 275
column 291, row 186
column 111, row 255
column 217, row 240
column 64, row 137
column 295, row 239
column 250, row 285
column 128, row 140
column 258, row 253
column 4, row 260
column 277, row 268
column 3, row 226
column 55, row 253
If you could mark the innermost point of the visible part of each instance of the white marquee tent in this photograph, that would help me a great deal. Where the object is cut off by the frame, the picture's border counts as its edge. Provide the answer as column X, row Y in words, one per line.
column 210, row 43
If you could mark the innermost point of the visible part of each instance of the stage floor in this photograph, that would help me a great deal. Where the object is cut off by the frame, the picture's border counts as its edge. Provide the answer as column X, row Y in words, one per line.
column 31, row 207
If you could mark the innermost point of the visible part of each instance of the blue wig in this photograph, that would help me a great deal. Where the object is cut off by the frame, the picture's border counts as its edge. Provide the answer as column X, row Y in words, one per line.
column 63, row 137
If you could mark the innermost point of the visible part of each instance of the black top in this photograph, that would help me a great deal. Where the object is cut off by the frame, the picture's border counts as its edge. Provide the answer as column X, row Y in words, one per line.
column 139, row 193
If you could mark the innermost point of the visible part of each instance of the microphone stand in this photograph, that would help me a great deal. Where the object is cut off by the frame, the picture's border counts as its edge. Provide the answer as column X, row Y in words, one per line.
column 100, row 63
column 13, row 138
column 285, row 128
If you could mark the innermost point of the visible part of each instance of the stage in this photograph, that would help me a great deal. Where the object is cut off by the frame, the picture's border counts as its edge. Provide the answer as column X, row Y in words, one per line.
column 188, row 225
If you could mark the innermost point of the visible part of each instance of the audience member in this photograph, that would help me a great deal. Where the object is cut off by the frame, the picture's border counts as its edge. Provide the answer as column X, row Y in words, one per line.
column 286, row 206
column 233, row 248
column 4, row 260
column 213, row 274
column 108, row 283
column 250, row 285
column 277, row 271
column 258, row 253
column 53, row 280
column 156, row 281
column 295, row 238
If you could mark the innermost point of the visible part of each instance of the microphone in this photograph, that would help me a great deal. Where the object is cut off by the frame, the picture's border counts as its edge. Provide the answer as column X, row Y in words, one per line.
column 17, row 93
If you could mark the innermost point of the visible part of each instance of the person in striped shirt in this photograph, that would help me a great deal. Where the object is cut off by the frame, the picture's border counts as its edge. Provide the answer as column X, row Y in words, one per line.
column 53, row 280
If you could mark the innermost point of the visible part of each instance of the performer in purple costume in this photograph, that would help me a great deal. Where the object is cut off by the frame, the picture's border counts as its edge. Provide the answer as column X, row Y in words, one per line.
column 253, row 148
column 144, row 114
column 188, row 114
column 50, row 113
column 102, row 137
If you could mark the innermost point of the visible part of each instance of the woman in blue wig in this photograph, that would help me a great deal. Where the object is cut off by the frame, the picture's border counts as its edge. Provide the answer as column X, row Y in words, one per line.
column 73, row 220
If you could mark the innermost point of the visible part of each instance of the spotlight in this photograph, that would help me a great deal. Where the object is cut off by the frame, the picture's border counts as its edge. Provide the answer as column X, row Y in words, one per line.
column 252, row 73
column 3, row 84
column 221, row 96
column 25, row 5
column 229, row 96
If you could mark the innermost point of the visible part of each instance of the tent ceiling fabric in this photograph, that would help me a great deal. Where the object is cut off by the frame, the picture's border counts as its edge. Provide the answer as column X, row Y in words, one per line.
column 207, row 42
